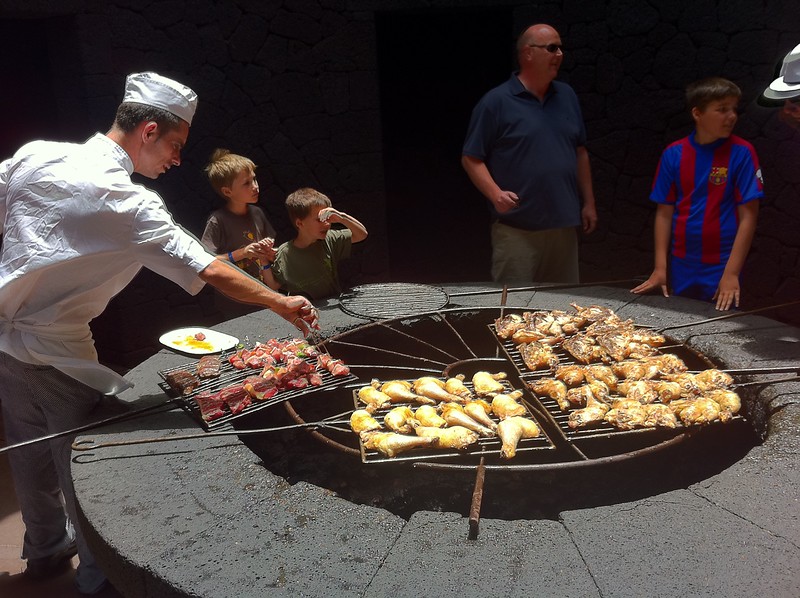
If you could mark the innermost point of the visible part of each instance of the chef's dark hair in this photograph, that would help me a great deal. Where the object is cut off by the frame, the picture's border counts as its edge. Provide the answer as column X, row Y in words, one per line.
column 700, row 94
column 130, row 114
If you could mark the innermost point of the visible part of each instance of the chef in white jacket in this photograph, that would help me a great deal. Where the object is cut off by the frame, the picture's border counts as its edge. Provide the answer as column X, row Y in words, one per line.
column 75, row 232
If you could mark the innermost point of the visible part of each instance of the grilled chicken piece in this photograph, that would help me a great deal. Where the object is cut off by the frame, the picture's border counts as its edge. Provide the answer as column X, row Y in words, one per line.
column 622, row 344
column 373, row 398
column 599, row 390
column 571, row 375
column 537, row 355
column 508, row 325
column 585, row 349
column 627, row 419
column 594, row 313
column 362, row 421
column 479, row 410
column 594, row 412
column 486, row 384
column 687, row 382
column 455, row 415
column 391, row 443
column 529, row 335
column 455, row 437
column 713, row 379
column 728, row 401
column 399, row 420
column 504, row 406
column 433, row 388
column 701, row 411
column 667, row 363
column 555, row 389
column 456, row 387
column 643, row 391
column 678, row 405
column 601, row 373
column 636, row 370
column 625, row 403
column 667, row 391
column 579, row 397
column 428, row 416
column 400, row 392
column 511, row 430
column 659, row 416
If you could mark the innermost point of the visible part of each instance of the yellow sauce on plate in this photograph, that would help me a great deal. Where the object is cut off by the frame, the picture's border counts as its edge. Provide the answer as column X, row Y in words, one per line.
column 190, row 341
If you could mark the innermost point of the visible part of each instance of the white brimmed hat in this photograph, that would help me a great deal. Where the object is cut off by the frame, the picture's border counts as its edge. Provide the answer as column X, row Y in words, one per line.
column 787, row 86
column 152, row 89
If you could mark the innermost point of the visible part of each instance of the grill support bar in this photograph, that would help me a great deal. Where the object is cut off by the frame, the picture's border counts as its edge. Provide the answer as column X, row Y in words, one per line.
column 477, row 499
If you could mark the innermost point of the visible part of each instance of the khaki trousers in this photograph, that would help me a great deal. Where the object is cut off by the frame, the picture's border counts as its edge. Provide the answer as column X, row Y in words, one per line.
column 522, row 256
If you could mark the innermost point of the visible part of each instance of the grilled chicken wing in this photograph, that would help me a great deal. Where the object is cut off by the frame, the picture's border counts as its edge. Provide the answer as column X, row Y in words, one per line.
column 667, row 391
column 455, row 437
column 627, row 419
column 511, row 430
column 728, row 401
column 571, row 375
column 659, row 416
column 538, row 355
column 593, row 313
column 578, row 397
column 643, row 391
column 701, row 411
column 713, row 379
column 636, row 370
column 584, row 349
column 601, row 373
column 486, row 384
column 508, row 325
column 362, row 421
column 594, row 412
column 391, row 443
column 555, row 389
column 400, row 420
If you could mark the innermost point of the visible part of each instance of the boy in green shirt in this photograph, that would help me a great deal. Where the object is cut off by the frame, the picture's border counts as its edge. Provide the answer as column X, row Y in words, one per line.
column 307, row 265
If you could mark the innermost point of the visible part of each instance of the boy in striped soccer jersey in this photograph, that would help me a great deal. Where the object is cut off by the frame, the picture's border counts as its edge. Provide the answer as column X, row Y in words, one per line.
column 706, row 187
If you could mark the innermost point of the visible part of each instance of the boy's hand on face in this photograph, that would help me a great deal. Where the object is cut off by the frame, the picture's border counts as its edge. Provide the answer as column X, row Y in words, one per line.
column 331, row 215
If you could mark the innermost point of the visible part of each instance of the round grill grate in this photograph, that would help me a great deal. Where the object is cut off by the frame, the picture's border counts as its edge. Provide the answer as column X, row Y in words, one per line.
column 392, row 300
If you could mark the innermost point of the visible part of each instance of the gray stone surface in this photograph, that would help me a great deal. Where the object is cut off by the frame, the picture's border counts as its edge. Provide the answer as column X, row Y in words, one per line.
column 203, row 517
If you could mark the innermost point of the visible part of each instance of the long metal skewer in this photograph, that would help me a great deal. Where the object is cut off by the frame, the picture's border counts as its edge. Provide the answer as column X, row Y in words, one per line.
column 546, row 287
column 89, row 444
column 737, row 314
column 92, row 425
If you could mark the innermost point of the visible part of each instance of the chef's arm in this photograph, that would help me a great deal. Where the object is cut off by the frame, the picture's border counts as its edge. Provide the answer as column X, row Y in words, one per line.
column 479, row 174
column 242, row 287
column 584, row 173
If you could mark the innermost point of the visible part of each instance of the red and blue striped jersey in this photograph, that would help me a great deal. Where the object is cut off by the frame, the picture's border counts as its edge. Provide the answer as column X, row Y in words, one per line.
column 706, row 183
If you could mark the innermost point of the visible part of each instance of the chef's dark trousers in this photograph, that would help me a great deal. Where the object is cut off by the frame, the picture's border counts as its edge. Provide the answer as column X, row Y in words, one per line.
column 38, row 400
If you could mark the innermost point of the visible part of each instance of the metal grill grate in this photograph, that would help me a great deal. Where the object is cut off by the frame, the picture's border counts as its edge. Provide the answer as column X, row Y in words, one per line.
column 392, row 300
column 229, row 375
column 484, row 446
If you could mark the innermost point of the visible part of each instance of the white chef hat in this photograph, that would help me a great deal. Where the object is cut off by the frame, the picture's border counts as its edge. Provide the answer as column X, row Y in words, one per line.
column 787, row 85
column 152, row 89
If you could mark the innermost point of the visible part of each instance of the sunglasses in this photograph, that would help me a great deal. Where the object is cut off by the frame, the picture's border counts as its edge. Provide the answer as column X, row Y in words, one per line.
column 552, row 48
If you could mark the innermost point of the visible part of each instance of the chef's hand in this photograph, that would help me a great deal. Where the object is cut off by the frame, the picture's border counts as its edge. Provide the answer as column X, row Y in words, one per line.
column 657, row 279
column 299, row 311
column 506, row 201
column 727, row 294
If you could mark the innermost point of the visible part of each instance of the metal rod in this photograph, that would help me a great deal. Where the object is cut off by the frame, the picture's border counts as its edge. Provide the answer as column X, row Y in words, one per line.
column 397, row 353
column 477, row 499
column 90, row 426
column 418, row 340
column 546, row 287
column 731, row 315
column 767, row 382
column 318, row 435
column 89, row 444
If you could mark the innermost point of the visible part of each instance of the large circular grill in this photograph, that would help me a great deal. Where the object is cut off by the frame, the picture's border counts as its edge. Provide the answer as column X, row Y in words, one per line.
column 462, row 341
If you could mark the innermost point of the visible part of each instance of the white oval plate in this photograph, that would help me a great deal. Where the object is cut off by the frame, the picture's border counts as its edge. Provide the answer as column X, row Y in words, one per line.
column 183, row 340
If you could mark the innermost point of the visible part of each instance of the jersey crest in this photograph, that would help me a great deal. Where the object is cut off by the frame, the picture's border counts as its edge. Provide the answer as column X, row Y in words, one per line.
column 718, row 175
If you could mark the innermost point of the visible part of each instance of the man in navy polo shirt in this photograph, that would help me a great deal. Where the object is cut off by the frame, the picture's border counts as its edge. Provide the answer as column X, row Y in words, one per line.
column 525, row 151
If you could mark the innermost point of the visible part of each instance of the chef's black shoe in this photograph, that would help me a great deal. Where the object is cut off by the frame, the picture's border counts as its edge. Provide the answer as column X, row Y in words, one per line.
column 51, row 566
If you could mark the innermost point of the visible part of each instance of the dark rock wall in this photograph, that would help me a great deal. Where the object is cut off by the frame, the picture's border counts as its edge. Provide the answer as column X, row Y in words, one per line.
column 295, row 86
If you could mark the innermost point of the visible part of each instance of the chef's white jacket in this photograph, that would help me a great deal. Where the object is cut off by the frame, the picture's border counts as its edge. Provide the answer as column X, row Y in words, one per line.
column 76, row 230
